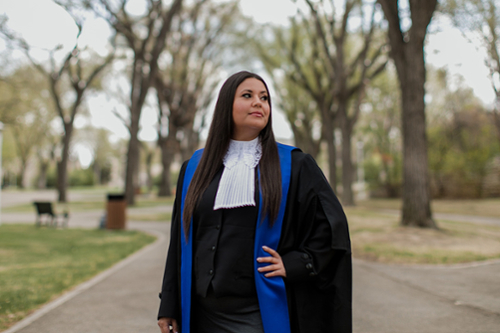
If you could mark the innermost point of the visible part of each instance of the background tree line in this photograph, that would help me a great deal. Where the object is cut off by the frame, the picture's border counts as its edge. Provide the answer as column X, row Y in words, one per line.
column 344, row 73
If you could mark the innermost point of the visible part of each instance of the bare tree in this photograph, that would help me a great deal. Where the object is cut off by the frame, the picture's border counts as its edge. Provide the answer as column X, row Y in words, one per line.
column 407, row 50
column 302, row 114
column 348, row 78
column 297, row 103
column 319, row 48
column 185, row 87
column 149, row 155
column 294, row 60
column 80, row 76
column 145, row 35
column 332, row 62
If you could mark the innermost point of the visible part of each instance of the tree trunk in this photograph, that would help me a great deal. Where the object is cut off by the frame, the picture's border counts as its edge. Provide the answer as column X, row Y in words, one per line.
column 141, row 81
column 347, row 168
column 97, row 172
column 193, row 141
column 62, row 165
column 132, row 164
column 167, row 156
column 305, row 141
column 496, row 116
column 416, row 189
column 329, row 134
column 22, row 171
column 42, row 178
column 407, row 50
column 149, row 172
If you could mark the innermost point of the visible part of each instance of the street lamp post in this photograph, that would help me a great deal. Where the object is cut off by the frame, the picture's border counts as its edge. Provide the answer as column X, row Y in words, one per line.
column 1, row 132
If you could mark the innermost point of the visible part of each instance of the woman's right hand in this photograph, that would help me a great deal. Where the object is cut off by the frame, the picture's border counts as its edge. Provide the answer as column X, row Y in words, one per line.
column 168, row 325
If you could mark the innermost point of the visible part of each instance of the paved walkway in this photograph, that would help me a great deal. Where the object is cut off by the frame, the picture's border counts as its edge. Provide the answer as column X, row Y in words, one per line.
column 387, row 298
column 420, row 299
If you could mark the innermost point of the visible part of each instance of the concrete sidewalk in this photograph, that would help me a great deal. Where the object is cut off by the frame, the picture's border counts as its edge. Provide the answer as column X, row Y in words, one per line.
column 425, row 299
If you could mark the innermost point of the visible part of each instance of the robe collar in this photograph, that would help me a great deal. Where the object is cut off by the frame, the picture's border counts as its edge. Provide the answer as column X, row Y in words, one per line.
column 237, row 183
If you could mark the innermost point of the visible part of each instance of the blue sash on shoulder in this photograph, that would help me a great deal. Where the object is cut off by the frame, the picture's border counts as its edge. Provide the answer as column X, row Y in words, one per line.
column 271, row 292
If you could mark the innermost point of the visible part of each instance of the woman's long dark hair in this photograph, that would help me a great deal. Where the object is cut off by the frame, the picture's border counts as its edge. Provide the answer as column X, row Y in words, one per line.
column 216, row 147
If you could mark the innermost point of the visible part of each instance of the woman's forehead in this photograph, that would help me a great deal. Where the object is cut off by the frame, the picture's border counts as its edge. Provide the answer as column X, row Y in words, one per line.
column 252, row 84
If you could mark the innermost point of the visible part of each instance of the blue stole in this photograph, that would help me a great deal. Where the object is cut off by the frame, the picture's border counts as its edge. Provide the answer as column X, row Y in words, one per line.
column 271, row 292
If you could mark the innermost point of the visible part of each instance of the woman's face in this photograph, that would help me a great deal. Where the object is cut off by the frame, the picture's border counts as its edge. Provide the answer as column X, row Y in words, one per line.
column 250, row 110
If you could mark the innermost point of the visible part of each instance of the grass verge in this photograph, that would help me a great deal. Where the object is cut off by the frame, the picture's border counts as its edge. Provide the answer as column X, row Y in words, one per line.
column 478, row 207
column 150, row 217
column 38, row 264
column 379, row 237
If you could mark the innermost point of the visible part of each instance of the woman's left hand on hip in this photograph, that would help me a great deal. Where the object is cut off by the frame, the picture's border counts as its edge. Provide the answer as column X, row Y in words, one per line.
column 275, row 267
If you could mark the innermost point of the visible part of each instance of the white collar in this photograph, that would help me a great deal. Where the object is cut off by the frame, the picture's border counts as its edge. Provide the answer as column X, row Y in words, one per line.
column 237, row 183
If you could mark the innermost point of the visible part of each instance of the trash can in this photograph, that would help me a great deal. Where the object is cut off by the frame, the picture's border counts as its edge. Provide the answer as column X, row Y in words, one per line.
column 116, row 211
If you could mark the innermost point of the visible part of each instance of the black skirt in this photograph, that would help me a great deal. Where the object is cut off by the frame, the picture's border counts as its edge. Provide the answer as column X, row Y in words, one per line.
column 225, row 314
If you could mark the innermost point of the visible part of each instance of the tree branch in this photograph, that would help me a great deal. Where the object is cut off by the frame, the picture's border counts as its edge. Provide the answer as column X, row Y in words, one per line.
column 119, row 116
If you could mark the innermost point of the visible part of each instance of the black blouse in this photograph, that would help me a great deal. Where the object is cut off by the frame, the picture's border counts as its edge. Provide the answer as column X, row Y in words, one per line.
column 223, row 246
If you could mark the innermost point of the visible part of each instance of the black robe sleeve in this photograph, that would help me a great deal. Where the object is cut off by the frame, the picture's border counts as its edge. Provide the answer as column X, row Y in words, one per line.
column 170, row 293
column 316, row 252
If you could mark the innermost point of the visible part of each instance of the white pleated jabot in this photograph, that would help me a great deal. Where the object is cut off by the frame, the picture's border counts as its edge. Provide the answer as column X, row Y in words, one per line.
column 237, row 183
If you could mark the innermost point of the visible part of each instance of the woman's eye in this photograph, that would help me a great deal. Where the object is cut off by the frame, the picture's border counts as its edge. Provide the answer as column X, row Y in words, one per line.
column 264, row 98
column 246, row 95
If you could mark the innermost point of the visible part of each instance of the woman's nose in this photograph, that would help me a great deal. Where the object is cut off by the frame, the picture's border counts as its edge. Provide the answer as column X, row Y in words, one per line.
column 257, row 101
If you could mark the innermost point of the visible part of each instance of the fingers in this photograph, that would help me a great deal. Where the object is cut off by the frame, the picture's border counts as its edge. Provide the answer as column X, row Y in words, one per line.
column 175, row 326
column 269, row 268
column 271, row 251
column 168, row 325
column 270, row 260
column 272, row 271
column 162, row 322
column 275, row 267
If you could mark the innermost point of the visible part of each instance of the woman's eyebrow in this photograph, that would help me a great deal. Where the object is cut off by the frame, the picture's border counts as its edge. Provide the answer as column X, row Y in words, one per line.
column 250, row 90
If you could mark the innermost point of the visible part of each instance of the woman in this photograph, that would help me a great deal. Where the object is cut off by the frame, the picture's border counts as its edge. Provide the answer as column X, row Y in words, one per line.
column 259, row 242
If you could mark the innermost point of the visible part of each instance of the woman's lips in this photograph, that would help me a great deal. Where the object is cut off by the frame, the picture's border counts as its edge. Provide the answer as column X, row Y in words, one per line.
column 257, row 114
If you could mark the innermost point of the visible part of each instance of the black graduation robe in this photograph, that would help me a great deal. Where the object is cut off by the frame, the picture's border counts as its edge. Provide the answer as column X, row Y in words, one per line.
column 314, row 246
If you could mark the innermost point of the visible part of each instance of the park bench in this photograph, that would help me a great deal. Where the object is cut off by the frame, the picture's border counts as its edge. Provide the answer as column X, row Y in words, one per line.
column 45, row 209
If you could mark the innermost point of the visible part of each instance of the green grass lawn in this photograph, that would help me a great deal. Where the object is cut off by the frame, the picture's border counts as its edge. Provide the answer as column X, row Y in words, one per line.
column 38, row 264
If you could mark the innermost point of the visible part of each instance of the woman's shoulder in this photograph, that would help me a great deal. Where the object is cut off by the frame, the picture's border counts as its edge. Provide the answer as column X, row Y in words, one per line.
column 298, row 155
column 182, row 171
column 196, row 156
column 306, row 169
column 301, row 159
